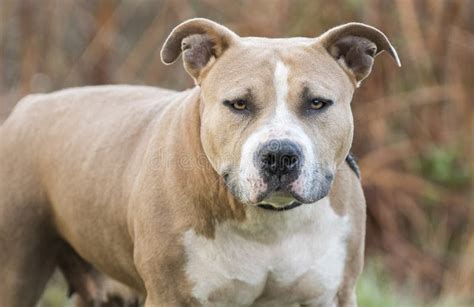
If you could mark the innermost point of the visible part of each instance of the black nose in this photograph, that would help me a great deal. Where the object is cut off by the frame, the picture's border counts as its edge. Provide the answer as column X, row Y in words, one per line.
column 279, row 157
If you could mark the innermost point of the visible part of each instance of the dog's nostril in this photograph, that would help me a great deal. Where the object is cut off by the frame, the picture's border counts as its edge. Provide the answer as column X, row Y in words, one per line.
column 270, row 162
column 289, row 162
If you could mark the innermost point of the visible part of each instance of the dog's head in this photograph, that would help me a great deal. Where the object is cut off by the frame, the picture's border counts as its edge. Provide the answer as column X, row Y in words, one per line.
column 276, row 119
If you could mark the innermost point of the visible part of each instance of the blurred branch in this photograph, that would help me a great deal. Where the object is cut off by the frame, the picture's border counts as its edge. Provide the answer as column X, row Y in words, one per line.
column 145, row 45
column 103, row 38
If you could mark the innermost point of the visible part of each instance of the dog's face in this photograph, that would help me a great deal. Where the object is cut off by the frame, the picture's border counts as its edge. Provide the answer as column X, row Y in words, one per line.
column 276, row 119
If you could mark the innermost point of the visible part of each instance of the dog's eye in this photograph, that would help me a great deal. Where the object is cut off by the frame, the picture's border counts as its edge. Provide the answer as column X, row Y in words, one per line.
column 319, row 103
column 238, row 104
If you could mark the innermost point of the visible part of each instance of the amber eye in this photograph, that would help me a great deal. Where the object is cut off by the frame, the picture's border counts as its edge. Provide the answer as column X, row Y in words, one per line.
column 317, row 104
column 239, row 105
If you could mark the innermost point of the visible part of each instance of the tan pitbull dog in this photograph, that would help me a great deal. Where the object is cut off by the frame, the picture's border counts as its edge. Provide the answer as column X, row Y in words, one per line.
column 233, row 193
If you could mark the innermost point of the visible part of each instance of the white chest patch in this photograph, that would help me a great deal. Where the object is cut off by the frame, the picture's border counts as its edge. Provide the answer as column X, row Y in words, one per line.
column 271, row 259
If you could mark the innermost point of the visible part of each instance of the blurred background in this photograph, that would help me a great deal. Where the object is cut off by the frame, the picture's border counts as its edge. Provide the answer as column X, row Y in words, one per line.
column 414, row 125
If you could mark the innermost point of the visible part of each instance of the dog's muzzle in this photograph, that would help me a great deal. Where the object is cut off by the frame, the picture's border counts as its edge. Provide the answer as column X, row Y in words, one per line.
column 279, row 163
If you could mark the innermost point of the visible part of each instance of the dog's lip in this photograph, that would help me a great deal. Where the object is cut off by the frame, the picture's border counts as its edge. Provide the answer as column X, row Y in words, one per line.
column 284, row 193
column 290, row 205
column 277, row 198
column 273, row 205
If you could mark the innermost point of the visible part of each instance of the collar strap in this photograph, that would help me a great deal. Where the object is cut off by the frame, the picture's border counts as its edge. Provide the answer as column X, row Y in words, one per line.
column 293, row 205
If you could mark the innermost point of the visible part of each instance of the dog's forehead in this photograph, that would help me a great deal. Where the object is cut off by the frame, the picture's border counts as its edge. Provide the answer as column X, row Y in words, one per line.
column 253, row 61
column 272, row 50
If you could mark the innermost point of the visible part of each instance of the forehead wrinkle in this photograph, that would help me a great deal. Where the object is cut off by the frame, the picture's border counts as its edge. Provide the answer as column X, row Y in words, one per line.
column 310, row 91
column 323, row 76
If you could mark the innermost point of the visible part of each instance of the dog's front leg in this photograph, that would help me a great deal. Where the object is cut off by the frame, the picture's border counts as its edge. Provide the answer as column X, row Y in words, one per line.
column 347, row 298
column 159, row 258
column 166, row 293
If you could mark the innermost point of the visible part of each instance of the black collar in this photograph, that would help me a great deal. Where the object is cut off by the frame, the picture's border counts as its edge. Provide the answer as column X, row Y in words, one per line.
column 292, row 205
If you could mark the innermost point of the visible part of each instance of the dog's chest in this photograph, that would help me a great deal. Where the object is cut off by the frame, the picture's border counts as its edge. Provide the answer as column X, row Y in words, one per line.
column 294, row 257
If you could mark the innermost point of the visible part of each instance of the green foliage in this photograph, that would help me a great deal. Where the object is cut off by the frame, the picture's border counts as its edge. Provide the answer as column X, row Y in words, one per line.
column 376, row 289
column 445, row 166
column 55, row 294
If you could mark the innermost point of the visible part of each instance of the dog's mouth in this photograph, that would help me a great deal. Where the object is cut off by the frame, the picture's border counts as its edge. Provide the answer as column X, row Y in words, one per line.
column 276, row 195
column 279, row 195
column 279, row 200
column 291, row 205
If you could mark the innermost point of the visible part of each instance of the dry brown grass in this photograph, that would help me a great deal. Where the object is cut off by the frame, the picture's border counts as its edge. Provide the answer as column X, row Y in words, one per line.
column 414, row 126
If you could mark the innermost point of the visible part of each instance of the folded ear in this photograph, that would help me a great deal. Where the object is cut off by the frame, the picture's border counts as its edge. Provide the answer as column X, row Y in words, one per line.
column 201, row 41
column 355, row 45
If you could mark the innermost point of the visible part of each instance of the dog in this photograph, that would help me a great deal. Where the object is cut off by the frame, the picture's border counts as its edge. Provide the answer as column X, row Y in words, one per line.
column 237, row 192
column 91, row 287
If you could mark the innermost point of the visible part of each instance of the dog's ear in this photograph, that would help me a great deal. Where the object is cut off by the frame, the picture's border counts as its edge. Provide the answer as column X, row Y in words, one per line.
column 354, row 46
column 201, row 41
